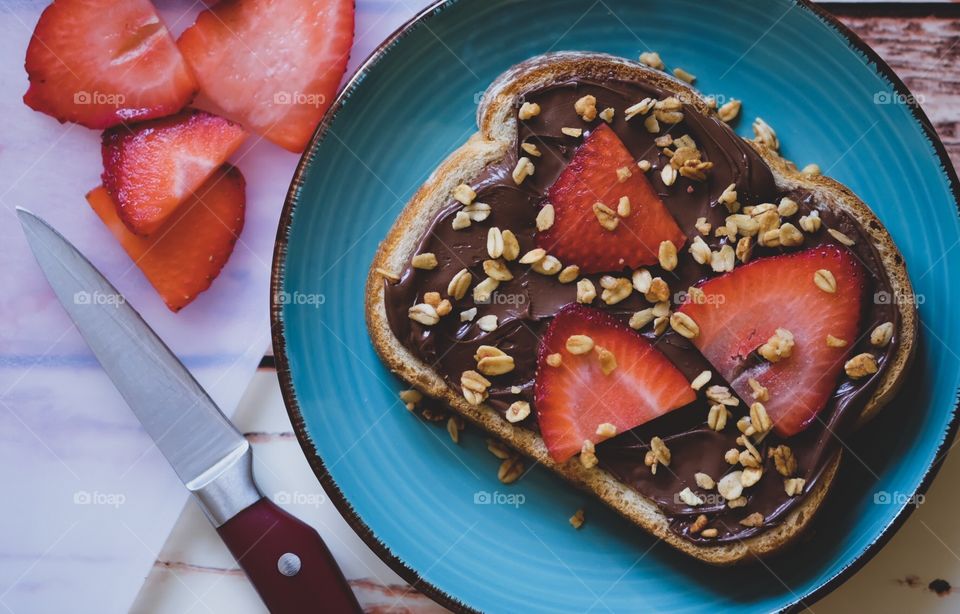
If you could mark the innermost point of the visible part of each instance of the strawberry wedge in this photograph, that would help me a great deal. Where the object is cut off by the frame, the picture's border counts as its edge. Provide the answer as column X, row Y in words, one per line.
column 743, row 309
column 583, row 392
column 184, row 259
column 101, row 62
column 272, row 65
column 150, row 168
column 603, row 171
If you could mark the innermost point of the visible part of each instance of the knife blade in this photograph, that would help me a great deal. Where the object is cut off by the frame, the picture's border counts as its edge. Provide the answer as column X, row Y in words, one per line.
column 287, row 561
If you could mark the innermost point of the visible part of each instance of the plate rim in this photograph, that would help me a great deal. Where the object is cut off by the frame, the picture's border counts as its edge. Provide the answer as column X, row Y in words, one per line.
column 284, row 374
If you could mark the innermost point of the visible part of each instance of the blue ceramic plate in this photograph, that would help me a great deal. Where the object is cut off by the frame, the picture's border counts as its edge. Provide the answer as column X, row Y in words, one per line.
column 435, row 511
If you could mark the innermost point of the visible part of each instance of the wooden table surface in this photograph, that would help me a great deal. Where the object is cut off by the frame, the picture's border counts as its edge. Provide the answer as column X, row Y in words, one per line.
column 194, row 573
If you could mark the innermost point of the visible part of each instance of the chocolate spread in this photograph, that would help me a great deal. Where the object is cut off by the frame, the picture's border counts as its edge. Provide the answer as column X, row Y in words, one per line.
column 525, row 305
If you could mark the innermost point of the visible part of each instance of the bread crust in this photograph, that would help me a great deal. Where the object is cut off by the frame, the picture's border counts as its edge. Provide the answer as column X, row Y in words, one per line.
column 497, row 134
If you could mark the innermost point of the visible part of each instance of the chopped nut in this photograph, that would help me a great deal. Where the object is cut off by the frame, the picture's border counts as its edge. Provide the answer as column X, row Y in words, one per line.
column 555, row 359
column 753, row 520
column 729, row 110
column 700, row 251
column 688, row 497
column 388, row 275
column 703, row 226
column 522, row 170
column 778, row 346
column 882, row 335
column 606, row 430
column 759, row 391
column 494, row 242
column 624, row 173
column 577, row 519
column 729, row 486
column 487, row 323
column 787, row 207
column 497, row 269
column 424, row 314
column 568, row 274
column 749, row 460
column 811, row 169
column 784, row 460
column 498, row 449
column 661, row 309
column 464, row 194
column 740, row 501
column 839, row 236
column 588, row 456
column 483, row 291
column 790, row 236
column 495, row 365
column 667, row 254
column 511, row 247
column 545, row 217
column 411, row 398
column 641, row 318
column 641, row 280
column 468, row 315
column 444, row 307
column 606, row 216
column 721, row 394
column 574, row 132
column 474, row 387
column 534, row 255
column 477, row 212
column 810, row 222
column 745, row 426
column 548, row 265
column 861, row 365
column 732, row 456
column 701, row 380
column 426, row 261
column 641, row 108
column 659, row 291
column 765, row 135
column 698, row 525
column 607, row 114
column 794, row 486
column 510, row 470
column 452, row 430
column 668, row 110
column 644, row 165
column 723, row 261
column 458, row 286
column 617, row 291
column 586, row 108
column 579, row 344
column 461, row 220
column 750, row 476
column 709, row 533
column 704, row 481
column 586, row 291
column 825, row 281
column 623, row 206
column 652, row 59
column 683, row 75
column 759, row 418
column 684, row 325
column 836, row 342
column 660, row 451
column 531, row 149
column 518, row 411
column 608, row 361
column 529, row 110
column 651, row 124
column 668, row 175
column 431, row 298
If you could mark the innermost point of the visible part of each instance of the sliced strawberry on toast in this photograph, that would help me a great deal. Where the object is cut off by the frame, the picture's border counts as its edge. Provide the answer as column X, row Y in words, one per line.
column 274, row 66
column 743, row 309
column 580, row 394
column 152, row 167
column 598, row 173
column 184, row 259
column 101, row 62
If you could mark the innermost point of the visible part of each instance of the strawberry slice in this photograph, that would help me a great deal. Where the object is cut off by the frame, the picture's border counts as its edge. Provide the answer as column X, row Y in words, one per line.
column 101, row 62
column 577, row 236
column 150, row 168
column 184, row 259
column 742, row 309
column 574, row 398
column 272, row 66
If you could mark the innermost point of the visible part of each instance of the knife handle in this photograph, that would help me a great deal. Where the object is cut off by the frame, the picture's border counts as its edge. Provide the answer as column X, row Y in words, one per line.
column 287, row 561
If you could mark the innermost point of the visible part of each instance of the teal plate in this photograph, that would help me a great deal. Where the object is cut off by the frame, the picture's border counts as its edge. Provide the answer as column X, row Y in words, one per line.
column 434, row 510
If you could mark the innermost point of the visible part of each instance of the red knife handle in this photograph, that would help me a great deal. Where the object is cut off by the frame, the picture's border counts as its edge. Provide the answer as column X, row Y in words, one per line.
column 287, row 561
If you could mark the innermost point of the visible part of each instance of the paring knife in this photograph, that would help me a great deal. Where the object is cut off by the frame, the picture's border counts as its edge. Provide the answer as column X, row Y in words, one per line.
column 285, row 559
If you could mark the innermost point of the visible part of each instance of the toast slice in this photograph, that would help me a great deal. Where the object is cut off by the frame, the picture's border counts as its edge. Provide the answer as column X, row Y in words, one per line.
column 496, row 140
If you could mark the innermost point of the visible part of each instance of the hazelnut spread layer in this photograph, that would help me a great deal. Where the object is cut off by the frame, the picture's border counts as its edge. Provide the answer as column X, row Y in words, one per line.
column 479, row 290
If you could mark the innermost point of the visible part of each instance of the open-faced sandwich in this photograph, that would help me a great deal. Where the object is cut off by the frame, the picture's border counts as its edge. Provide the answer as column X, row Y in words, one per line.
column 611, row 281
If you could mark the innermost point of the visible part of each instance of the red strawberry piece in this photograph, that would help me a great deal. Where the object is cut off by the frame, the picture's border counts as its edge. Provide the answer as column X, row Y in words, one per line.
column 152, row 167
column 101, row 62
column 573, row 399
column 184, row 259
column 577, row 237
column 274, row 66
column 742, row 309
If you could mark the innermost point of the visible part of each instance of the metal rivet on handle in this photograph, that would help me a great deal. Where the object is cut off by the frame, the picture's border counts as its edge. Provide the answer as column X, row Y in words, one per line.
column 288, row 564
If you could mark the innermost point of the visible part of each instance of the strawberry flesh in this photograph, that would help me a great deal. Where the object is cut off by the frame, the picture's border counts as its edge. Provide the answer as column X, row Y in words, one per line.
column 152, row 167
column 273, row 66
column 100, row 63
column 184, row 259
column 572, row 400
column 743, row 309
column 577, row 237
